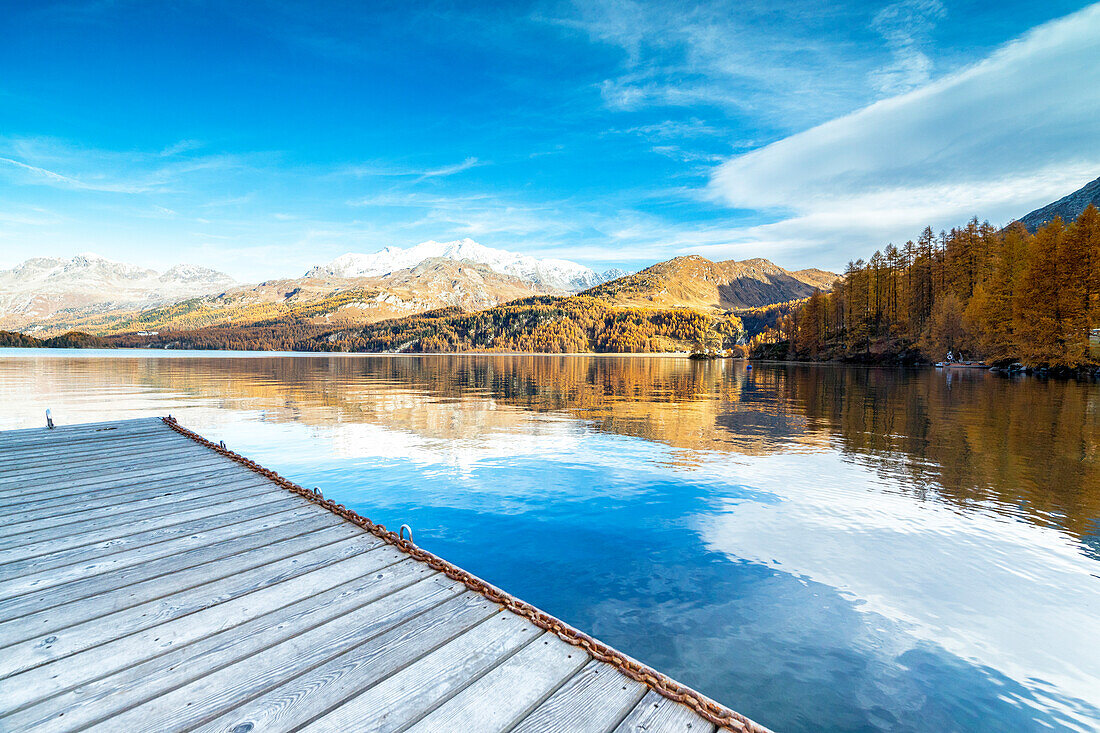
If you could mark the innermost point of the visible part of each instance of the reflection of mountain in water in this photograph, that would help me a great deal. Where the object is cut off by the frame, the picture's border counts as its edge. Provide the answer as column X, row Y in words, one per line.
column 1029, row 445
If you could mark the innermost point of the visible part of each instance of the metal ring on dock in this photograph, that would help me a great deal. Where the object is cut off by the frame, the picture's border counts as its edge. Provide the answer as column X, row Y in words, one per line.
column 401, row 532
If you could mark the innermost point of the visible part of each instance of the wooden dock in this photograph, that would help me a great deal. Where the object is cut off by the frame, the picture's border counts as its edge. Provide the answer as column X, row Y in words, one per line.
column 150, row 581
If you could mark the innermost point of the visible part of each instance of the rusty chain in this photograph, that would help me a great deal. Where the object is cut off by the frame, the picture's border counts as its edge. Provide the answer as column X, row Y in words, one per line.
column 712, row 711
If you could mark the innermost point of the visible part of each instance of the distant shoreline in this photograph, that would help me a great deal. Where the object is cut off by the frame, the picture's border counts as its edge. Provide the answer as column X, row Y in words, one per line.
column 201, row 352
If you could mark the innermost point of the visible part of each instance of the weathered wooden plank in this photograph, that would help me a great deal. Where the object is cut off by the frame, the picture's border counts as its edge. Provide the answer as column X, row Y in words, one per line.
column 95, row 479
column 40, row 433
column 34, row 455
column 25, row 465
column 102, row 698
column 12, row 539
column 57, row 439
column 253, row 488
column 161, row 500
column 225, row 689
column 509, row 691
column 402, row 674
column 51, row 545
column 65, row 434
column 148, row 602
column 49, row 469
column 64, row 475
column 50, row 645
column 658, row 714
column 202, row 475
column 30, row 581
column 594, row 700
column 46, row 555
column 47, row 680
column 145, row 569
column 119, row 497
column 116, row 494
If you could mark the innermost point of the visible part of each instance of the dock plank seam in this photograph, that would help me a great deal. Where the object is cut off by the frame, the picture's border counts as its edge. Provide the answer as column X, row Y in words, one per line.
column 444, row 596
column 217, row 642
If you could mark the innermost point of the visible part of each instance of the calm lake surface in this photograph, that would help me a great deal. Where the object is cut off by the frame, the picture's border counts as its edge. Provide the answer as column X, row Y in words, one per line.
column 821, row 548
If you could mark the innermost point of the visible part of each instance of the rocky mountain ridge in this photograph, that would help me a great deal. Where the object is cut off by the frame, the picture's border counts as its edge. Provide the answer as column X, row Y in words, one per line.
column 1068, row 207
column 39, row 288
column 319, row 300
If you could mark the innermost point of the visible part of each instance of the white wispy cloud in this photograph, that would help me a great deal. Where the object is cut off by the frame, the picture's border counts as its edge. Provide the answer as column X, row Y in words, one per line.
column 996, row 139
column 60, row 164
column 33, row 174
column 450, row 170
column 906, row 27
column 389, row 170
column 181, row 146
column 673, row 130
column 782, row 63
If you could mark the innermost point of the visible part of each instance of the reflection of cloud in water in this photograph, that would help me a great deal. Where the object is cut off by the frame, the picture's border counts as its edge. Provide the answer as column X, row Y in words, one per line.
column 543, row 436
column 997, row 591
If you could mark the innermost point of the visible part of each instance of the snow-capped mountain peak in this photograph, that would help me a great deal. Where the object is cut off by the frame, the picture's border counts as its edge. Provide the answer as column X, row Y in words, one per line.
column 41, row 286
column 553, row 274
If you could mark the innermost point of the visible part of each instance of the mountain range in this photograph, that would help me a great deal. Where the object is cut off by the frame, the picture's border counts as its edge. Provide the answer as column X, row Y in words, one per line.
column 91, row 294
column 319, row 300
column 42, row 286
column 553, row 275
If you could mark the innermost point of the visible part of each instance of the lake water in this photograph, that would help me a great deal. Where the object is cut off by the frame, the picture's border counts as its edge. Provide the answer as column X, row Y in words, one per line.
column 821, row 548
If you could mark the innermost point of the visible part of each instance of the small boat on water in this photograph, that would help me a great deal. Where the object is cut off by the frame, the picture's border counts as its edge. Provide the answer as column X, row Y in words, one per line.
column 961, row 365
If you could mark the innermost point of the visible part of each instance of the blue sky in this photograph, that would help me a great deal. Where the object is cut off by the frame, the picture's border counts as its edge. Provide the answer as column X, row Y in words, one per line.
column 263, row 137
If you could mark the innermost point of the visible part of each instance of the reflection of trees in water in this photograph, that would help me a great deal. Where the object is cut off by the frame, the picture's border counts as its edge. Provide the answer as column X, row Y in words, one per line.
column 1026, row 443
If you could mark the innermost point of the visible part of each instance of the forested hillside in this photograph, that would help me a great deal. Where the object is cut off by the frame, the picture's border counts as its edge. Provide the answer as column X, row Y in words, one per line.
column 70, row 340
column 539, row 324
column 1003, row 295
column 545, row 324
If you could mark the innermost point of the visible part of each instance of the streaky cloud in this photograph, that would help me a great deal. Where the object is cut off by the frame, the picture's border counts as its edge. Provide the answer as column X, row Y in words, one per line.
column 993, row 139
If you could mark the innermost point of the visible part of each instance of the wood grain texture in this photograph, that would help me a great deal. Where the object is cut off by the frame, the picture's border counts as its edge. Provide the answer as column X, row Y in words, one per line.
column 19, row 461
column 62, row 558
column 118, row 495
column 41, row 435
column 510, row 690
column 70, row 628
column 158, row 502
column 18, row 535
column 224, row 689
column 30, row 469
column 29, row 579
column 416, row 677
column 99, row 699
column 204, row 474
column 64, row 673
column 59, row 442
column 592, row 701
column 81, row 479
column 200, row 563
column 49, row 546
column 657, row 714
